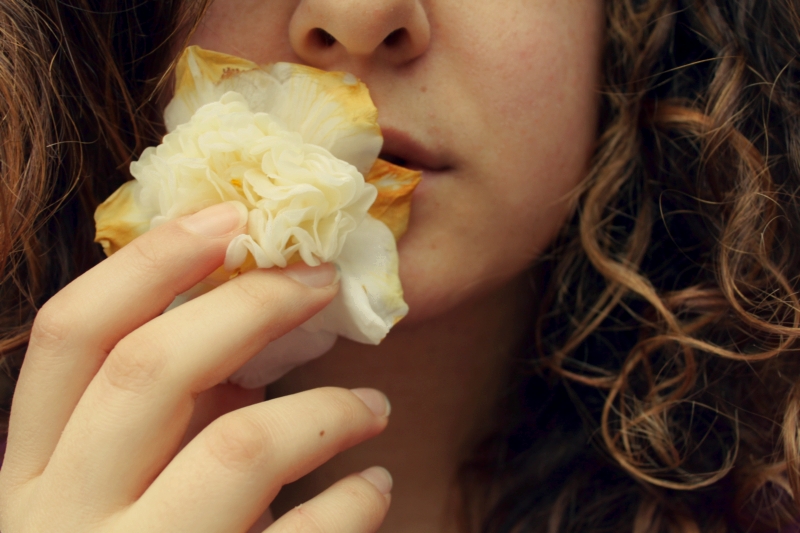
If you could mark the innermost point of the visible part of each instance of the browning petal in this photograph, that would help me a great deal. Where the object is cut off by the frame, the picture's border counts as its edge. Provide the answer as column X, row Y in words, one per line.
column 215, row 67
column 395, row 185
column 119, row 219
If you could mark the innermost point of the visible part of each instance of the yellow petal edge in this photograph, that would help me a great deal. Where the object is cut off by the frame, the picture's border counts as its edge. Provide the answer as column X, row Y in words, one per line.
column 118, row 220
column 215, row 67
column 395, row 186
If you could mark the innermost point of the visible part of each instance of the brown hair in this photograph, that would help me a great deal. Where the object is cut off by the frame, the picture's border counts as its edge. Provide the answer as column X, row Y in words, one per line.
column 660, row 389
column 78, row 86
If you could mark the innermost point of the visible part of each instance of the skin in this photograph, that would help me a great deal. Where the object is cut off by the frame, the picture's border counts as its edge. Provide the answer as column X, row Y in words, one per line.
column 502, row 93
column 109, row 385
column 501, row 96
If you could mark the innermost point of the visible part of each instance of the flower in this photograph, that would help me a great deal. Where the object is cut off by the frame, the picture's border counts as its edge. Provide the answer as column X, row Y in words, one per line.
column 302, row 202
column 288, row 144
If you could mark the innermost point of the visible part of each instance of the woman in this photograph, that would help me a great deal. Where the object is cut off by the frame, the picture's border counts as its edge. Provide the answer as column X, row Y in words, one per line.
column 600, row 267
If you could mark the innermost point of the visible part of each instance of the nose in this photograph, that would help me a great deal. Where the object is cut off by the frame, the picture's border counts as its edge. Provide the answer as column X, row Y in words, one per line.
column 325, row 33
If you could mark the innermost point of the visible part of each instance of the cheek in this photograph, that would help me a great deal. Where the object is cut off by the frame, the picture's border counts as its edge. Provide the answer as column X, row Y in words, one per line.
column 539, row 111
column 527, row 114
column 533, row 87
column 252, row 29
column 539, row 83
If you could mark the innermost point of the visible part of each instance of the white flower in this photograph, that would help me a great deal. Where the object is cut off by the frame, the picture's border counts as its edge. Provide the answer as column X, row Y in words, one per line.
column 290, row 145
column 330, row 109
column 302, row 202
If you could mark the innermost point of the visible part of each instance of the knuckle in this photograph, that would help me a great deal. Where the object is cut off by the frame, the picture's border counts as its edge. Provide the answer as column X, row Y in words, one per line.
column 5, row 498
column 352, row 501
column 9, row 501
column 252, row 291
column 3, row 518
column 134, row 365
column 344, row 404
column 364, row 497
column 237, row 441
column 51, row 327
column 149, row 259
column 304, row 520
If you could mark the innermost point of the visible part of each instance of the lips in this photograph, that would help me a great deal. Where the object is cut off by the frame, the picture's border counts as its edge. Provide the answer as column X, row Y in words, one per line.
column 401, row 149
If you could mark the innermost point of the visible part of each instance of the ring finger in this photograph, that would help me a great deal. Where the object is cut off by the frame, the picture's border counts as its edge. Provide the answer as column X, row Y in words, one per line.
column 130, row 420
column 357, row 504
column 76, row 329
column 225, row 478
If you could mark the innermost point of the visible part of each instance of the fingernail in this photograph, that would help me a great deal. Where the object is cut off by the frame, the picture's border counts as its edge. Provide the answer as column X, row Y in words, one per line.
column 317, row 277
column 377, row 401
column 217, row 220
column 379, row 477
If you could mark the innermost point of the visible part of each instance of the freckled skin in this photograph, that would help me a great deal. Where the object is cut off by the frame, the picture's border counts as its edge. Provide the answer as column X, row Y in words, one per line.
column 505, row 89
column 504, row 92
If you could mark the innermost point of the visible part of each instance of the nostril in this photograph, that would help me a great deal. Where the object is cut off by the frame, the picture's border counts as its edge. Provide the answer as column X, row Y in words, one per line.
column 322, row 38
column 394, row 38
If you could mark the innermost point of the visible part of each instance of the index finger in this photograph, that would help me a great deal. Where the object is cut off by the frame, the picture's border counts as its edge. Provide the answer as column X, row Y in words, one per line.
column 74, row 331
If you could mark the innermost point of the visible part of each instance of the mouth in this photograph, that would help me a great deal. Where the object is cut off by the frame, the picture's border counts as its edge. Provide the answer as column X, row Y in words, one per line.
column 401, row 149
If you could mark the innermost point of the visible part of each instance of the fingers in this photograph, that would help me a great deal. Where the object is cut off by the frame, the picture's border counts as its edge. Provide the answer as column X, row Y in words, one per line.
column 356, row 504
column 131, row 418
column 224, row 479
column 75, row 330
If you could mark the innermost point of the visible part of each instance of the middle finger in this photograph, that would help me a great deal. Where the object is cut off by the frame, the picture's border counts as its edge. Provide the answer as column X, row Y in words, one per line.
column 224, row 479
column 76, row 329
column 131, row 419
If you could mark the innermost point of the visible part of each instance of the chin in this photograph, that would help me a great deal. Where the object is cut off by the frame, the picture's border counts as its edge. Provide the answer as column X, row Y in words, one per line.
column 425, row 302
column 436, row 284
column 423, row 269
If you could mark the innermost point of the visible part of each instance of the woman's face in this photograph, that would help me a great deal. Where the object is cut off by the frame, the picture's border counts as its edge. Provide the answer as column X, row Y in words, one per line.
column 495, row 101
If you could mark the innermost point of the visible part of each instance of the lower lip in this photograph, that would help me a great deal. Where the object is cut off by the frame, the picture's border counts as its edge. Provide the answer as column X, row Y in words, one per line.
column 428, row 178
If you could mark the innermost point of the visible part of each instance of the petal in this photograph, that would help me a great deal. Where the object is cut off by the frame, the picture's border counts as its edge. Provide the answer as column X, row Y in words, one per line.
column 281, row 355
column 329, row 109
column 395, row 186
column 120, row 219
column 370, row 299
column 197, row 77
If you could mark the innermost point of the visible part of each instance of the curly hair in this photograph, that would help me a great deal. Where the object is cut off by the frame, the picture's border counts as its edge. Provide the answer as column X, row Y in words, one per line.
column 79, row 86
column 659, row 390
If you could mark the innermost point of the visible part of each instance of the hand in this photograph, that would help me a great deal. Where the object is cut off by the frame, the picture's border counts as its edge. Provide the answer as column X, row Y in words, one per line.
column 109, row 383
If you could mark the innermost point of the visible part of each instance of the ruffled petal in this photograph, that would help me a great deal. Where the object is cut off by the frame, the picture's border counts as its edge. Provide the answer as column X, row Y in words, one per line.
column 329, row 109
column 370, row 299
column 197, row 77
column 289, row 144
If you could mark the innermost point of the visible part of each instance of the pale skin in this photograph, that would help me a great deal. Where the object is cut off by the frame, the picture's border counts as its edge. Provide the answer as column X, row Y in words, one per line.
column 117, row 424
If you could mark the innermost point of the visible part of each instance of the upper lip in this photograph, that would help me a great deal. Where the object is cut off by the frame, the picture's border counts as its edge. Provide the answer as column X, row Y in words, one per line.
column 402, row 149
